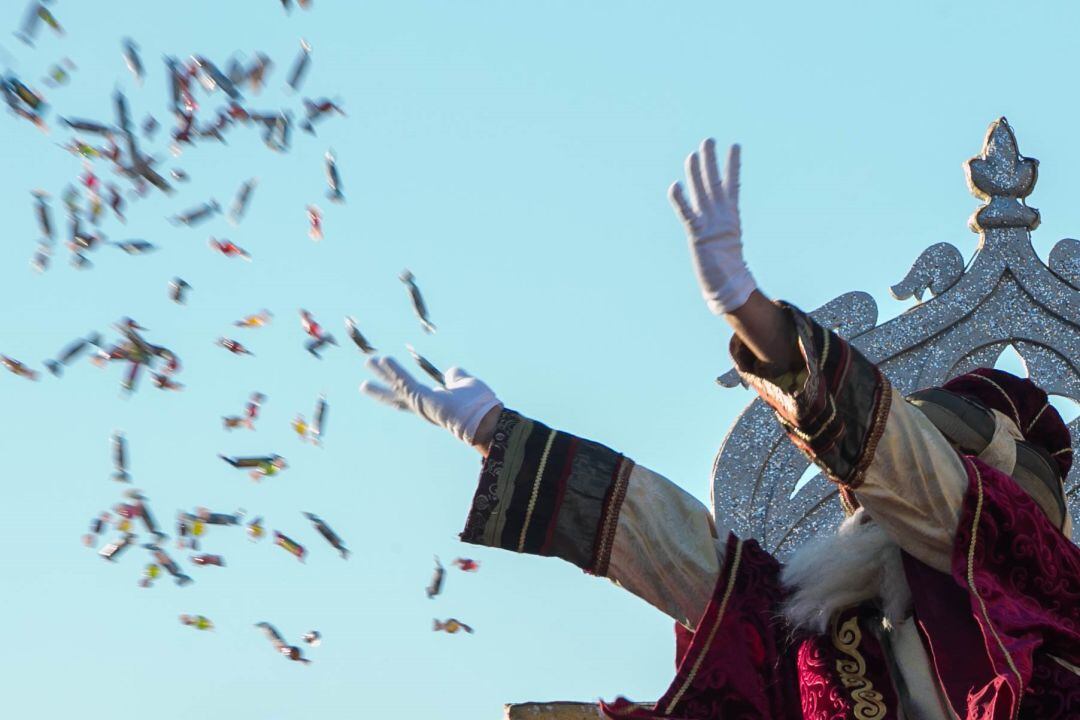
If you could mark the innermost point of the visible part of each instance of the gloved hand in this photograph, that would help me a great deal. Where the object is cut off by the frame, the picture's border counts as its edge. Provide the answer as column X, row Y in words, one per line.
column 711, row 218
column 459, row 407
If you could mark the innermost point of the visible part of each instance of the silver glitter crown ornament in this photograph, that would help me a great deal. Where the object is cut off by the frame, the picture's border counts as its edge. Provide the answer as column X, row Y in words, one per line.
column 1006, row 296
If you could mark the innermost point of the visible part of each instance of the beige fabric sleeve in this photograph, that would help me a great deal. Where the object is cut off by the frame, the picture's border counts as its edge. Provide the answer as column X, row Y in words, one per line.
column 914, row 486
column 666, row 549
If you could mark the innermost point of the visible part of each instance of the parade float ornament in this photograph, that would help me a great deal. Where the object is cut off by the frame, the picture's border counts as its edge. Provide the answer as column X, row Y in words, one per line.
column 1005, row 296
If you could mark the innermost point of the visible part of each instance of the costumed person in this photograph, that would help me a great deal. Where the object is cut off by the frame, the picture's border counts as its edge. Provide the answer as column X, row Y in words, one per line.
column 952, row 589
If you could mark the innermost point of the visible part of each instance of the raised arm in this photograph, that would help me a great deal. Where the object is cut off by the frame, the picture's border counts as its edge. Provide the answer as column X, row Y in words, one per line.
column 714, row 229
column 835, row 405
column 545, row 492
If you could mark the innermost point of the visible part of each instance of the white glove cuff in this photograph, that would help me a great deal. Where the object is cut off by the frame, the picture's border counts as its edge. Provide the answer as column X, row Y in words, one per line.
column 466, row 429
column 732, row 294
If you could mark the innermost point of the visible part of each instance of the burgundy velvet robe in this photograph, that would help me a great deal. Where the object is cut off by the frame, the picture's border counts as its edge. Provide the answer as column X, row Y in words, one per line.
column 1013, row 599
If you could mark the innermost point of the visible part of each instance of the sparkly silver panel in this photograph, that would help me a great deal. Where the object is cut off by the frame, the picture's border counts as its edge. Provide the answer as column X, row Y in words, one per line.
column 1006, row 296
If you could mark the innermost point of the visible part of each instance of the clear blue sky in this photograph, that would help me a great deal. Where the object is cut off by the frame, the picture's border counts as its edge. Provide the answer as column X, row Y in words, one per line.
column 516, row 157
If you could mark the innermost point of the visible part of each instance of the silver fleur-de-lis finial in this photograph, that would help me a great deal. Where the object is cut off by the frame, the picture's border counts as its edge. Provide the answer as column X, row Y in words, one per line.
column 1002, row 177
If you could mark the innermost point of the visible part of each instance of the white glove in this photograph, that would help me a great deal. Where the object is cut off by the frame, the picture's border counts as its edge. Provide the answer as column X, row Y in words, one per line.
column 712, row 224
column 459, row 407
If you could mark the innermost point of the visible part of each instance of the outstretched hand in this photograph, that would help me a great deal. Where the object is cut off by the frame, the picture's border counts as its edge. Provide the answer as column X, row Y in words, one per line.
column 466, row 406
column 711, row 219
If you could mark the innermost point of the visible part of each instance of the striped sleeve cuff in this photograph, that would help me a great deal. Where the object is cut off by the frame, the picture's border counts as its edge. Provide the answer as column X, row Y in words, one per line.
column 546, row 492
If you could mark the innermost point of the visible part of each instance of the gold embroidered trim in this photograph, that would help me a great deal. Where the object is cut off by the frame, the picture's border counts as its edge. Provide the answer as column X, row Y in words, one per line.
column 712, row 631
column 824, row 426
column 535, row 490
column 876, row 430
column 1036, row 418
column 971, row 574
column 1004, row 394
column 1061, row 451
column 825, row 347
column 869, row 703
column 611, row 517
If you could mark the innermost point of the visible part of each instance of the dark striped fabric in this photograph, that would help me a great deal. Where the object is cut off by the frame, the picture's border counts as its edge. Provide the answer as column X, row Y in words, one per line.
column 545, row 492
column 838, row 414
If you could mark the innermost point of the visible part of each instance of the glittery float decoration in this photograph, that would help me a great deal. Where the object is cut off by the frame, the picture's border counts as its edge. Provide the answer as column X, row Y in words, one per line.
column 1005, row 296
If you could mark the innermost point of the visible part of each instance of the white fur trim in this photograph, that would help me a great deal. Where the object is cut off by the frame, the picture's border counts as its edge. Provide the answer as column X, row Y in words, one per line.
column 856, row 564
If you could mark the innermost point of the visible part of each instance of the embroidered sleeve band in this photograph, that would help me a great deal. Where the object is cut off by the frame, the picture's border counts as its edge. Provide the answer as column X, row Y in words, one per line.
column 545, row 492
column 837, row 414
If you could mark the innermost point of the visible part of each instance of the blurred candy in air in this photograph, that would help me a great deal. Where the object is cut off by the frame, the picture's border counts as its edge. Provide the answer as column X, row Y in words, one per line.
column 314, row 346
column 199, row 622
column 318, row 334
column 164, row 382
column 331, row 537
column 89, row 126
column 300, row 427
column 151, row 573
column 317, row 110
column 178, row 290
column 40, row 260
column 291, row 546
column 208, row 559
column 97, row 526
column 229, row 249
column 162, row 558
column 18, row 368
column 333, row 178
column 212, row 77
column 44, row 215
column 197, row 214
column 119, row 453
column 419, row 307
column 300, row 66
column 312, row 638
column 135, row 247
column 59, row 73
column 233, row 346
column 49, row 19
column 357, row 337
column 113, row 550
column 256, row 320
column 133, row 61
column 255, row 529
column 70, row 351
column 467, row 564
column 216, row 518
column 427, row 366
column 435, row 586
column 24, row 102
column 138, row 353
column 240, row 203
column 318, row 424
column 251, row 413
column 291, row 652
column 142, row 510
column 150, row 127
column 116, row 203
column 260, row 466
column 451, row 626
column 314, row 214
column 256, row 74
